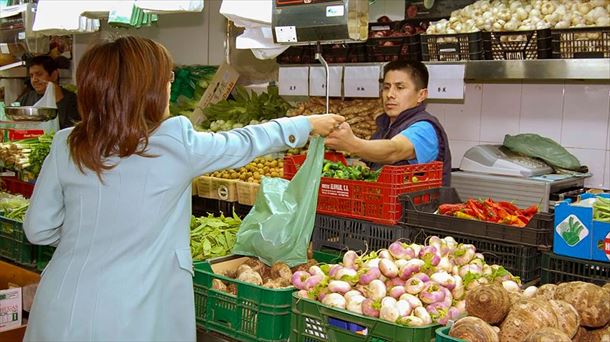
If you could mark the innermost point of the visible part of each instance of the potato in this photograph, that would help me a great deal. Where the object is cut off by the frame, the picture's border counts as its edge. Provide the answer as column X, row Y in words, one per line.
column 591, row 301
column 548, row 335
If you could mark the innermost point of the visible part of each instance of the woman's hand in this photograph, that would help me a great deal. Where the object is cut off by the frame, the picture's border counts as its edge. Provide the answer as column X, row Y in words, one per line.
column 323, row 124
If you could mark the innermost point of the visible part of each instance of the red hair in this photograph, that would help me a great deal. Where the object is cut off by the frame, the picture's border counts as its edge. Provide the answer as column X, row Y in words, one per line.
column 122, row 97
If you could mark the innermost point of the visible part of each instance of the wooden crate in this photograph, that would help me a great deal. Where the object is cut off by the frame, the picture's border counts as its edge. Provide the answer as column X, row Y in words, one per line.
column 246, row 192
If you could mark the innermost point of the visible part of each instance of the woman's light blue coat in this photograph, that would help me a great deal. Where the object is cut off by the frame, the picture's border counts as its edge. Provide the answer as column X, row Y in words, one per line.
column 122, row 270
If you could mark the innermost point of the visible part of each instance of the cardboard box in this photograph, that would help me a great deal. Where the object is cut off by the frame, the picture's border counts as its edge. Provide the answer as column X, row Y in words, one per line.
column 219, row 89
column 18, row 288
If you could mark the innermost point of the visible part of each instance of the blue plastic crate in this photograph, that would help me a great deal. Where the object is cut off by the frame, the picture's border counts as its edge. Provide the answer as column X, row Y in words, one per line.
column 601, row 241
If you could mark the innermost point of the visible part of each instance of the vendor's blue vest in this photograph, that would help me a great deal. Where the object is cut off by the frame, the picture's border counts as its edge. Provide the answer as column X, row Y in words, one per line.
column 385, row 130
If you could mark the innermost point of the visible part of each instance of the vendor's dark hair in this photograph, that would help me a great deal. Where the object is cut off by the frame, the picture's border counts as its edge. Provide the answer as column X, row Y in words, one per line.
column 47, row 63
column 417, row 71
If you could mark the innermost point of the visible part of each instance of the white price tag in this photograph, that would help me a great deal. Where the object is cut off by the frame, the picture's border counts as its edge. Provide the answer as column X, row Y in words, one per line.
column 317, row 81
column 286, row 34
column 293, row 81
column 361, row 81
column 4, row 48
column 446, row 81
column 335, row 11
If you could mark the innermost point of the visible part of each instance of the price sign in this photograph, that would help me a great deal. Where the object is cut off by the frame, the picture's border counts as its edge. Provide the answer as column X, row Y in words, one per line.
column 361, row 81
column 446, row 81
column 293, row 81
column 317, row 81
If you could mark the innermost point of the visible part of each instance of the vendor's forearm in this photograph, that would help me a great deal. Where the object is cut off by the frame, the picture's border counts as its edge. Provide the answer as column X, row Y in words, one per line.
column 381, row 151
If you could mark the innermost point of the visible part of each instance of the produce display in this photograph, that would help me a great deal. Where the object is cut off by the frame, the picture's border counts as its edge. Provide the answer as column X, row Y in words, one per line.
column 408, row 284
column 254, row 171
column 601, row 209
column 574, row 311
column 190, row 82
column 497, row 212
column 406, row 29
column 213, row 236
column 247, row 108
column 354, row 172
column 359, row 113
column 518, row 15
column 13, row 206
column 28, row 154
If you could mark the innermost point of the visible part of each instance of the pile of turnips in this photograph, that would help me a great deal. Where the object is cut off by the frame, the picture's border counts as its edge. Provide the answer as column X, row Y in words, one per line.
column 408, row 284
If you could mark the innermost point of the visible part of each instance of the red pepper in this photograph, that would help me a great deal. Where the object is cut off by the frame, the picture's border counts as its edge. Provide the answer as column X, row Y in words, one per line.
column 478, row 212
column 523, row 219
column 509, row 207
column 468, row 211
column 530, row 212
column 462, row 215
column 449, row 209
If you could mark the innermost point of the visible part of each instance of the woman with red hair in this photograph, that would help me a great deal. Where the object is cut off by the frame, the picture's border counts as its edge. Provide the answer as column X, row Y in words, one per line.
column 114, row 196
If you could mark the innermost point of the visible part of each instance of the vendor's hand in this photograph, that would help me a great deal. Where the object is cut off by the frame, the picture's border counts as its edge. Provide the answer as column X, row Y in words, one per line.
column 323, row 124
column 341, row 139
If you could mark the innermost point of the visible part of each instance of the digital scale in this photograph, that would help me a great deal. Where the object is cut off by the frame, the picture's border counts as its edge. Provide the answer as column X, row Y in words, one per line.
column 493, row 171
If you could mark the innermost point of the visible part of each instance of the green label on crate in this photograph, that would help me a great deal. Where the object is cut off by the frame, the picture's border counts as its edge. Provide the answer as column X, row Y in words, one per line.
column 572, row 230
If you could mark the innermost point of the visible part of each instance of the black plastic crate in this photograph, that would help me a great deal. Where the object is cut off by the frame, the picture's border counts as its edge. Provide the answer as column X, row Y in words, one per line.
column 420, row 207
column 521, row 261
column 387, row 49
column 357, row 53
column 585, row 42
column 559, row 269
column 204, row 206
column 452, row 47
column 519, row 45
column 293, row 55
column 335, row 53
column 343, row 233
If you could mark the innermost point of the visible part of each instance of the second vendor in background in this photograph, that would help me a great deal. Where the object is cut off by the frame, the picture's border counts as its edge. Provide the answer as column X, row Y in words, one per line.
column 406, row 133
column 42, row 70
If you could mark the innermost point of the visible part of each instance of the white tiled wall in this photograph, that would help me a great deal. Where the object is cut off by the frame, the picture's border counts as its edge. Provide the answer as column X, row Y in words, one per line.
column 575, row 115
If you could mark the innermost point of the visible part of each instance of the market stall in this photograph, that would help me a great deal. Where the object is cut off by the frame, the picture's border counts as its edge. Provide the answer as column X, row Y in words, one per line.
column 517, row 248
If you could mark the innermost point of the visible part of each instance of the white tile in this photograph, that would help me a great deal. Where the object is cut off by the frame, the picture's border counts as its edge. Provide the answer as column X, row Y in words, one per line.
column 585, row 116
column 500, row 111
column 542, row 110
column 437, row 110
column 463, row 121
column 607, row 172
column 458, row 148
column 595, row 160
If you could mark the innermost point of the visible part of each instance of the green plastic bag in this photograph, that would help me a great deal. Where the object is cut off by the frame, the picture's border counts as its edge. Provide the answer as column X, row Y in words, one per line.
column 534, row 145
column 279, row 226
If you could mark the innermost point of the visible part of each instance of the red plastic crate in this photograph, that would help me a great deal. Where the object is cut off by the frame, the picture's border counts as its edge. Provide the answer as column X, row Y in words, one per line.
column 15, row 186
column 20, row 134
column 372, row 201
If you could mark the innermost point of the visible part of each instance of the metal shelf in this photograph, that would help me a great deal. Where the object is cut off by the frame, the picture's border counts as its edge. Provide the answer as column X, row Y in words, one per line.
column 531, row 70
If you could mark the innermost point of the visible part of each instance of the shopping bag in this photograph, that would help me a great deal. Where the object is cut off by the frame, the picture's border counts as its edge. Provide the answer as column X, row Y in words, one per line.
column 279, row 226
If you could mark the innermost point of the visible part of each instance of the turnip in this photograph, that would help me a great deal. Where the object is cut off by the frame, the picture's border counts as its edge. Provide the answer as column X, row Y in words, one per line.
column 474, row 269
column 388, row 301
column 421, row 276
column 463, row 254
column 476, row 261
column 349, row 259
column 313, row 270
column 385, row 254
column 372, row 263
column 444, row 279
column 370, row 275
column 332, row 272
column 453, row 314
column 334, row 300
column 400, row 263
column 430, row 255
column 404, row 308
column 411, row 321
column 511, row 286
column 530, row 292
column 348, row 274
column 479, row 256
column 487, row 271
column 460, row 305
column 448, row 300
column 450, row 242
column 416, row 248
column 397, row 291
column 394, row 282
column 427, row 250
column 423, row 314
column 490, row 303
column 370, row 308
column 438, row 312
column 388, row 268
column 376, row 290
column 400, row 250
column 413, row 266
column 303, row 294
column 299, row 278
column 413, row 301
column 351, row 294
column 473, row 329
column 445, row 264
column 414, row 286
column 339, row 286
column 458, row 291
column 432, row 293
column 313, row 281
column 389, row 313
column 354, row 304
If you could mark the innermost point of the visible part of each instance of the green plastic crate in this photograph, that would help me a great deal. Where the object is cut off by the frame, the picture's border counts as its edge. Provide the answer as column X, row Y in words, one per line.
column 442, row 335
column 311, row 322
column 328, row 256
column 255, row 314
column 43, row 256
column 13, row 243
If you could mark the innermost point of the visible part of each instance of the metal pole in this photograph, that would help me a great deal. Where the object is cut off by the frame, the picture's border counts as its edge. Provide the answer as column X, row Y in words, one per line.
column 323, row 61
